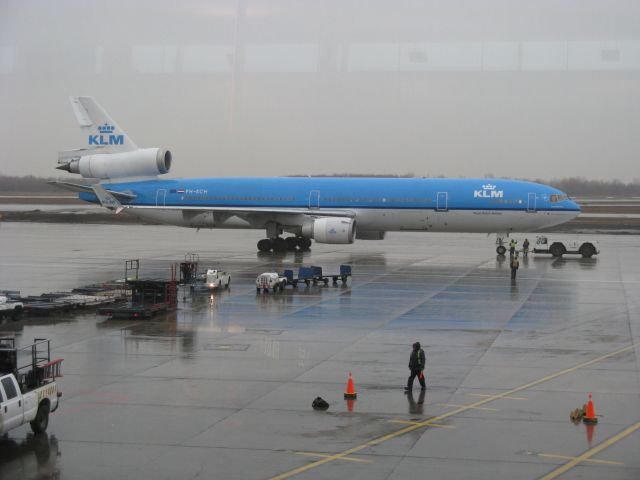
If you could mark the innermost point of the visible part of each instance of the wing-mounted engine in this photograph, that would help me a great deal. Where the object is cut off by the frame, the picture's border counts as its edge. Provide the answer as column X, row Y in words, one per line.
column 143, row 162
column 331, row 230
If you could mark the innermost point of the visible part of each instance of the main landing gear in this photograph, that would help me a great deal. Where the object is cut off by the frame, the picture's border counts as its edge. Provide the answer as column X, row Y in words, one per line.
column 500, row 247
column 281, row 245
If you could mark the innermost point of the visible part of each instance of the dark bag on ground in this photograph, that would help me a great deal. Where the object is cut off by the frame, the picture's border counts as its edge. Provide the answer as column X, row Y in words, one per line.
column 320, row 404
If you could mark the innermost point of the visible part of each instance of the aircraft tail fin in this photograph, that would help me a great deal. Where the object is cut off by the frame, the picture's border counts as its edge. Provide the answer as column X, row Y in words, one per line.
column 101, row 129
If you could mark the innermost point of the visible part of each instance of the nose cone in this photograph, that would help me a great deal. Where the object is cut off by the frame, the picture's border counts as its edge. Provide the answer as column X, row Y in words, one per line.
column 574, row 208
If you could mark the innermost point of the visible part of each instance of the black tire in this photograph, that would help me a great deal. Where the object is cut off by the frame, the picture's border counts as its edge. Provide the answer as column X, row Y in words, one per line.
column 292, row 243
column 307, row 282
column 265, row 245
column 557, row 249
column 587, row 250
column 501, row 250
column 275, row 289
column 279, row 245
column 258, row 290
column 304, row 243
column 266, row 290
column 344, row 279
column 41, row 422
column 228, row 283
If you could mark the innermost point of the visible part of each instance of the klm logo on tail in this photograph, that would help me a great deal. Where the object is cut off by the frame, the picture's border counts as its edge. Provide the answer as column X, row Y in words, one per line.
column 488, row 191
column 105, row 136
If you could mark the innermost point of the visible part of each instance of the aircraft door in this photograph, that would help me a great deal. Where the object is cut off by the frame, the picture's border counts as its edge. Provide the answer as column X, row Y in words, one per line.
column 314, row 199
column 160, row 197
column 531, row 206
column 442, row 201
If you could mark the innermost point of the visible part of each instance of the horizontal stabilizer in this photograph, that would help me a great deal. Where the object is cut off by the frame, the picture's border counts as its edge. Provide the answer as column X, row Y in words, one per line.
column 74, row 187
column 106, row 199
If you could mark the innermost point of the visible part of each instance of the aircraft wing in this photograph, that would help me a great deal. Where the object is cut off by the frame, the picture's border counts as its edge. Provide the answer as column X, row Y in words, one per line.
column 75, row 187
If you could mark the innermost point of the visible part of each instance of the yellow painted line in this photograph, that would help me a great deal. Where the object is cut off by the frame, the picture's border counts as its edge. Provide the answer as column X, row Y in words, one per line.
column 489, row 409
column 324, row 455
column 479, row 403
column 590, row 460
column 484, row 395
column 590, row 453
column 409, row 422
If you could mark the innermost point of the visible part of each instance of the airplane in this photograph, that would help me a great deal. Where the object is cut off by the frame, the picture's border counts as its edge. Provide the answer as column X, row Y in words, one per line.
column 332, row 210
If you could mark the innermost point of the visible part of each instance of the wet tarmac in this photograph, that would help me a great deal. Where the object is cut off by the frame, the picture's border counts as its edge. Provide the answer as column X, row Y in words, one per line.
column 223, row 387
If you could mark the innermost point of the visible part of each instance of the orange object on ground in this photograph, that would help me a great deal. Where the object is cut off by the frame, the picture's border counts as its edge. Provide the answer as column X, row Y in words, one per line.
column 590, row 416
column 350, row 392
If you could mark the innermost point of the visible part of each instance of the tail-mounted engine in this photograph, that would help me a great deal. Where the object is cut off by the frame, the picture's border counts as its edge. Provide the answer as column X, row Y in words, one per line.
column 89, row 163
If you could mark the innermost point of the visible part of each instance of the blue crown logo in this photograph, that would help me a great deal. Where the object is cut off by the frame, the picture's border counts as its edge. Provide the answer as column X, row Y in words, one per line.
column 106, row 128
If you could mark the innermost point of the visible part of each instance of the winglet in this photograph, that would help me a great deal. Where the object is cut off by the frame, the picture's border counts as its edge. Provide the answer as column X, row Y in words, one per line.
column 106, row 199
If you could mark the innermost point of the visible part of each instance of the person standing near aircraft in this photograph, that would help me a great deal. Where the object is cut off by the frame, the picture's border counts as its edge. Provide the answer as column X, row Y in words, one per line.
column 525, row 247
column 515, row 264
column 512, row 247
column 417, row 363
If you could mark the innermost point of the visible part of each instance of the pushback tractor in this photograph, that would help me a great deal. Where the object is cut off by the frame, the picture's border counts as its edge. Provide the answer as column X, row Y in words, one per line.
column 28, row 388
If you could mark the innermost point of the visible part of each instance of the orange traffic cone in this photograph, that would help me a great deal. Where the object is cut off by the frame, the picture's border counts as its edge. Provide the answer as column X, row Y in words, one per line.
column 590, row 416
column 350, row 392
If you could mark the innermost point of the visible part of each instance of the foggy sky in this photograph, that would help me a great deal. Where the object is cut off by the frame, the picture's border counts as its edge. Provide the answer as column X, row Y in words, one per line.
column 544, row 88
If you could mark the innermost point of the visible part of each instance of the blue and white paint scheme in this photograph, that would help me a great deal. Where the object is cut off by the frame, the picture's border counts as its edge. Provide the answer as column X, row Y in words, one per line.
column 326, row 209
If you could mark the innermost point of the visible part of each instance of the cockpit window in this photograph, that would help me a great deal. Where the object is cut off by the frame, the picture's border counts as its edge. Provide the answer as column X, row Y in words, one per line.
column 558, row 198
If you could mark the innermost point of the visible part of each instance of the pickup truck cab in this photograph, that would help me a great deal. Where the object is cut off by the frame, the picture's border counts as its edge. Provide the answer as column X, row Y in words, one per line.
column 558, row 247
column 270, row 280
column 29, row 393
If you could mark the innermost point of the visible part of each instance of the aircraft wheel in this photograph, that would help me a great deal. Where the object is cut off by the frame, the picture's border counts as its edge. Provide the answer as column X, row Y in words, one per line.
column 501, row 250
column 304, row 243
column 292, row 243
column 279, row 245
column 265, row 245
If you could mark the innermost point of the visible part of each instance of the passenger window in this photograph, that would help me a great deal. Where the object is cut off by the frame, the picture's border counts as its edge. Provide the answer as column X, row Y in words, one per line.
column 9, row 388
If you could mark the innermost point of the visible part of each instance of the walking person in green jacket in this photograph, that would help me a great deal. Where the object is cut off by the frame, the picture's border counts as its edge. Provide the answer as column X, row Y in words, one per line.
column 417, row 363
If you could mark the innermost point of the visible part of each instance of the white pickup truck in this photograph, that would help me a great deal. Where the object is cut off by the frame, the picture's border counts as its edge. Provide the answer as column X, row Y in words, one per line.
column 558, row 247
column 270, row 280
column 28, row 393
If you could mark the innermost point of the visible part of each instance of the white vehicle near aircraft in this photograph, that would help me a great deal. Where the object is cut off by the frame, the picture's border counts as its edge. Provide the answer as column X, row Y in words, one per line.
column 559, row 247
column 215, row 279
column 270, row 281
column 29, row 392
column 327, row 210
